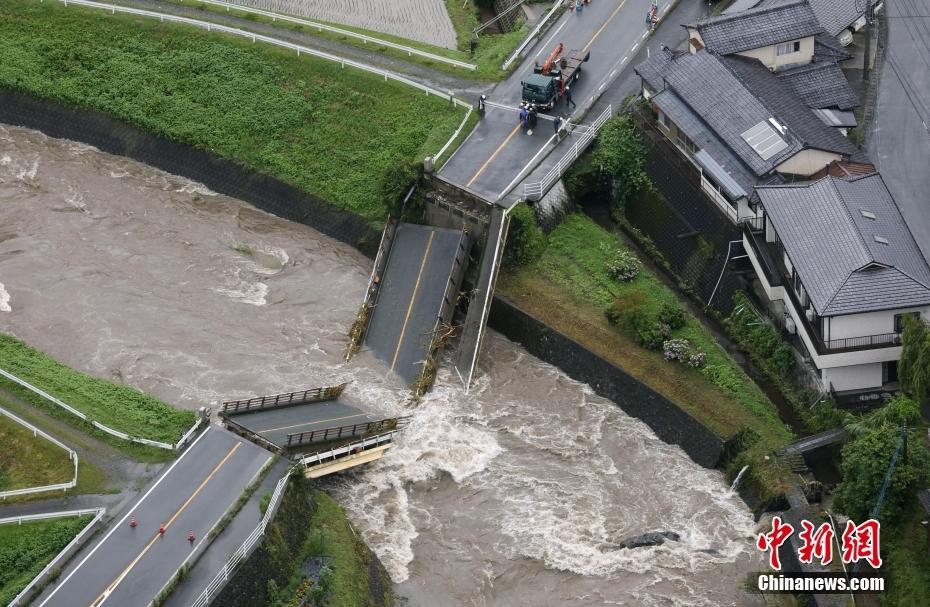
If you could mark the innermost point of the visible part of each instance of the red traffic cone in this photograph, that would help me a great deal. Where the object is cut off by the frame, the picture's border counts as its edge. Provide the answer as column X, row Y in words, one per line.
column 161, row 530
column 132, row 521
column 190, row 536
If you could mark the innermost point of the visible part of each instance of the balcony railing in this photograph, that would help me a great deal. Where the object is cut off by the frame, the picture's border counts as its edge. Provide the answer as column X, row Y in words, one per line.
column 765, row 255
column 848, row 344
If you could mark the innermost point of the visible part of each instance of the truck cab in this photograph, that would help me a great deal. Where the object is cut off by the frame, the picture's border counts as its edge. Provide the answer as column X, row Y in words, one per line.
column 540, row 90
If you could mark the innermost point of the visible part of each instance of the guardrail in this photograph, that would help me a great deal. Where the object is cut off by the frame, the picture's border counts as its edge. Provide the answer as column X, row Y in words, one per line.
column 452, row 138
column 283, row 400
column 342, row 32
column 360, row 324
column 65, row 553
column 38, row 432
column 327, row 434
column 535, row 191
column 532, row 35
column 373, row 441
column 210, row 27
column 246, row 548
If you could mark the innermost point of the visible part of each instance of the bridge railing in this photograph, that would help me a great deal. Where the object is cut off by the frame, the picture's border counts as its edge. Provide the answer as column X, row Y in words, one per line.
column 320, row 457
column 535, row 191
column 320, row 27
column 360, row 325
column 328, row 434
column 533, row 35
column 36, row 432
column 282, row 400
column 61, row 557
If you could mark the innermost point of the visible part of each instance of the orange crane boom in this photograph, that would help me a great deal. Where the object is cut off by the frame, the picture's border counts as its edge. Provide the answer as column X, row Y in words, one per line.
column 551, row 59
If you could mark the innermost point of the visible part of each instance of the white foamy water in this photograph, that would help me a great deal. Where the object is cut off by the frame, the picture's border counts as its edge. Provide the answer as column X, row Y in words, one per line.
column 515, row 494
column 4, row 299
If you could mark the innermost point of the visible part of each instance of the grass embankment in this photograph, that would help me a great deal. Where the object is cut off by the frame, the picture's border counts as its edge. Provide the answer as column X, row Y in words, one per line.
column 489, row 54
column 26, row 549
column 30, row 461
column 116, row 406
column 329, row 131
column 568, row 287
column 907, row 560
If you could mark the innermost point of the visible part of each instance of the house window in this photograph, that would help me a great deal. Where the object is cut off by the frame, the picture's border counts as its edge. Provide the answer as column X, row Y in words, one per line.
column 687, row 143
column 663, row 119
column 899, row 320
column 787, row 48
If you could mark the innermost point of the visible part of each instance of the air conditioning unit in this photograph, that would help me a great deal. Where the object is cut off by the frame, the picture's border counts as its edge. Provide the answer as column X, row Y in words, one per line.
column 809, row 314
column 845, row 37
column 790, row 326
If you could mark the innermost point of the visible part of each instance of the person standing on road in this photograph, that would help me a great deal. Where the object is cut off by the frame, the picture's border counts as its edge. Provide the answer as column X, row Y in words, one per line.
column 579, row 7
column 523, row 116
column 568, row 97
column 558, row 124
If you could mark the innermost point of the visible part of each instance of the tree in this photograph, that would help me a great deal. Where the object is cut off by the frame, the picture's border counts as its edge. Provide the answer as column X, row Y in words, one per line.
column 914, row 366
column 865, row 461
column 525, row 241
column 395, row 183
column 620, row 154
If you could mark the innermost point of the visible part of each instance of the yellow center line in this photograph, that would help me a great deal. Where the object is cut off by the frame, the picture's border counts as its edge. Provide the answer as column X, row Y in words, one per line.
column 517, row 128
column 103, row 596
column 601, row 29
column 493, row 156
column 416, row 287
column 322, row 421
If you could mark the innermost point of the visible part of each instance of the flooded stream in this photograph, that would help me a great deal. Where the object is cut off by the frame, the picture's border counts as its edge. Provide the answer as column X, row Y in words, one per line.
column 517, row 493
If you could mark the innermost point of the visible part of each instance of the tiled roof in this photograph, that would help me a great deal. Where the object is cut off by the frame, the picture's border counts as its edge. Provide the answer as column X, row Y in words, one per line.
column 821, row 85
column 788, row 107
column 849, row 263
column 837, row 15
column 758, row 27
column 828, row 48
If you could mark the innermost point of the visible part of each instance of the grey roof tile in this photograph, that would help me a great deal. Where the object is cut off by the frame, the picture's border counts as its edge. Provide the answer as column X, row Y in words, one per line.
column 828, row 48
column 759, row 26
column 837, row 15
column 844, row 269
column 821, row 85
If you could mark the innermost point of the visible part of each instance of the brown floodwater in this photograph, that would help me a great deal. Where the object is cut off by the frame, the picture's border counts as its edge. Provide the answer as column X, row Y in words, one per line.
column 516, row 493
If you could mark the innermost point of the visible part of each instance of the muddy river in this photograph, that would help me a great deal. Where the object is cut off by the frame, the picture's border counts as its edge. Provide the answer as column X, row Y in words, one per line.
column 517, row 493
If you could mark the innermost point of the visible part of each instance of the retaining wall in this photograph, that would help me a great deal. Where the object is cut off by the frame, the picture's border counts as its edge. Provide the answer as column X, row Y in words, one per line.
column 219, row 174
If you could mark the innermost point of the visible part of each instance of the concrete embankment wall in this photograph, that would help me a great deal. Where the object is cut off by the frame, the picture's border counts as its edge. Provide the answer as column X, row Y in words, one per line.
column 111, row 135
column 667, row 420
column 219, row 174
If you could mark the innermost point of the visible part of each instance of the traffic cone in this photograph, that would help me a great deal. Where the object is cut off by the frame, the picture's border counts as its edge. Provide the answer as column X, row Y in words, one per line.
column 161, row 530
column 132, row 521
column 190, row 536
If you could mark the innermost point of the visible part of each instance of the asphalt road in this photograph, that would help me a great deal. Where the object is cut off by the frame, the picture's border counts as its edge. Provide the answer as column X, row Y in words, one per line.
column 276, row 424
column 498, row 151
column 410, row 297
column 128, row 567
column 899, row 143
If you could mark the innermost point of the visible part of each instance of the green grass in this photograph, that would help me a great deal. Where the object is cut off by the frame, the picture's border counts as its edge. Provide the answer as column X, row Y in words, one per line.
column 907, row 561
column 26, row 549
column 119, row 407
column 30, row 461
column 569, row 288
column 330, row 131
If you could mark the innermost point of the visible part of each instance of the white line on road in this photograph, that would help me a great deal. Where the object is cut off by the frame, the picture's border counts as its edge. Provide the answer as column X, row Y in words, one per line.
column 643, row 36
column 126, row 516
column 635, row 46
column 611, row 74
column 549, row 41
column 623, row 60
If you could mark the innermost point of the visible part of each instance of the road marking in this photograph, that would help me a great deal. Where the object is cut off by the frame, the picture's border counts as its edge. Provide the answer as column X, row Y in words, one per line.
column 493, row 156
column 623, row 60
column 526, row 166
column 549, row 41
column 601, row 29
column 635, row 46
column 643, row 37
column 126, row 516
column 322, row 421
column 611, row 74
column 416, row 288
column 106, row 593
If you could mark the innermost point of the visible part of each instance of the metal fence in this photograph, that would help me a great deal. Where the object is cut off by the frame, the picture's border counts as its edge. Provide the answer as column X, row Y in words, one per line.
column 220, row 580
column 367, row 443
column 328, row 434
column 321, row 27
column 282, row 400
column 535, row 191
column 37, row 432
column 532, row 35
column 65, row 553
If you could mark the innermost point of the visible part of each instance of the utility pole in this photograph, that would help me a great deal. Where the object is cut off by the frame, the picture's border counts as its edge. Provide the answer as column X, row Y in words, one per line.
column 869, row 21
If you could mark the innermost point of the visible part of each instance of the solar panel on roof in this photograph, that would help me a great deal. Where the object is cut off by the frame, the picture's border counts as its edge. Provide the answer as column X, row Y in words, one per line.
column 764, row 140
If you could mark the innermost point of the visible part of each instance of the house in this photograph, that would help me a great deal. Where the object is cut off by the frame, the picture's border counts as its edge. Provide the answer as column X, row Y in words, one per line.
column 779, row 35
column 738, row 124
column 838, row 17
column 839, row 257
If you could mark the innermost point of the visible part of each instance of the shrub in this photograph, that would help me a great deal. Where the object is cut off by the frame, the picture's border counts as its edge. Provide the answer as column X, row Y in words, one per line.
column 619, row 150
column 673, row 315
column 677, row 349
column 624, row 310
column 525, row 241
column 623, row 265
column 697, row 360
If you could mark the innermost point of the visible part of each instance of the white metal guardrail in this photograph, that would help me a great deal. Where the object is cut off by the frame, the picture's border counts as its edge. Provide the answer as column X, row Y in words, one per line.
column 143, row 441
column 316, row 458
column 454, row 135
column 535, row 191
column 342, row 32
column 245, row 549
column 65, row 553
column 37, row 432
column 211, row 27
column 532, row 35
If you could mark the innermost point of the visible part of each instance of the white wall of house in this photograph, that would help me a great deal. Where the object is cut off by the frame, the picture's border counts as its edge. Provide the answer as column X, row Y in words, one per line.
column 855, row 377
column 769, row 56
column 807, row 162
column 870, row 323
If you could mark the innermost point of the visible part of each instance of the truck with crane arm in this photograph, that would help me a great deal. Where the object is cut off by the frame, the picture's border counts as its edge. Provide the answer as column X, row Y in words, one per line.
column 547, row 84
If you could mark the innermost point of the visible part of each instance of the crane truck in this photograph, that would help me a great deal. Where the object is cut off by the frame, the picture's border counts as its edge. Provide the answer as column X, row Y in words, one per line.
column 547, row 84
